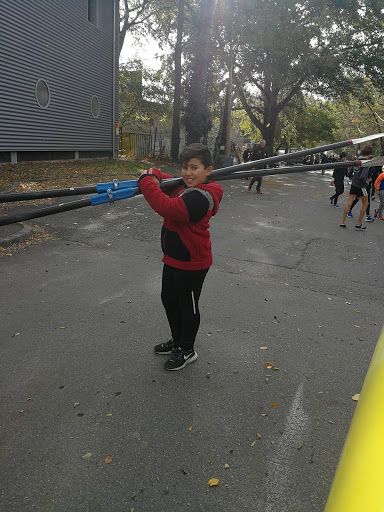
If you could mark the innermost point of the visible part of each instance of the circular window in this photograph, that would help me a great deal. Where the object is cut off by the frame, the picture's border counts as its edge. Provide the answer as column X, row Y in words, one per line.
column 42, row 93
column 95, row 106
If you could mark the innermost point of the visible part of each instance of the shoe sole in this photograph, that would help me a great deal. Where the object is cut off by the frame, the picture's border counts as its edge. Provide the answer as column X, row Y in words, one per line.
column 163, row 353
column 190, row 360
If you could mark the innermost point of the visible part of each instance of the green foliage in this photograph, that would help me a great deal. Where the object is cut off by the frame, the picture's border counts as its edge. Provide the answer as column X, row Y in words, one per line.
column 310, row 122
column 142, row 96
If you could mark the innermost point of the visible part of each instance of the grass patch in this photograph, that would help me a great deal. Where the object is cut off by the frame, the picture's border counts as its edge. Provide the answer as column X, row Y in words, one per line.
column 69, row 173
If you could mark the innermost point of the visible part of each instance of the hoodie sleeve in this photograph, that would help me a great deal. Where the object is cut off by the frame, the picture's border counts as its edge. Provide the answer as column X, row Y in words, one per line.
column 378, row 181
column 167, row 207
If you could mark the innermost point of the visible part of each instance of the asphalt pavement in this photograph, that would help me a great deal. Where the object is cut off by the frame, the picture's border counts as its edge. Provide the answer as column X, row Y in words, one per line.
column 79, row 380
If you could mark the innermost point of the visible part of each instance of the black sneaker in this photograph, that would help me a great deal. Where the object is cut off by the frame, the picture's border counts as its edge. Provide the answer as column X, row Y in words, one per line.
column 359, row 227
column 165, row 348
column 180, row 358
column 343, row 225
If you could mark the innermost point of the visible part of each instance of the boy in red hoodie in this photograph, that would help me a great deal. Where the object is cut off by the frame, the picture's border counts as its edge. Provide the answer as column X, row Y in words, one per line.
column 186, row 245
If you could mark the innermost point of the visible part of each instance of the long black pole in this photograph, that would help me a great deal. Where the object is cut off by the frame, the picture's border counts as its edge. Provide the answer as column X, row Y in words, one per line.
column 21, row 196
column 43, row 194
column 215, row 175
column 172, row 182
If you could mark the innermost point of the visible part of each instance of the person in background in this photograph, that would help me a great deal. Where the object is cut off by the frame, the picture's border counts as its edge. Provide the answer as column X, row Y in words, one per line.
column 338, row 180
column 379, row 187
column 258, row 153
column 247, row 152
column 359, row 189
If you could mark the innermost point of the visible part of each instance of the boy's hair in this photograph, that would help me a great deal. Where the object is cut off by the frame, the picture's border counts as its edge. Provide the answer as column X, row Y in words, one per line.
column 343, row 154
column 367, row 150
column 197, row 150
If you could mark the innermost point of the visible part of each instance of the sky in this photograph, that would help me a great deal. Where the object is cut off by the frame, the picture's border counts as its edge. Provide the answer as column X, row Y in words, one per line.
column 145, row 52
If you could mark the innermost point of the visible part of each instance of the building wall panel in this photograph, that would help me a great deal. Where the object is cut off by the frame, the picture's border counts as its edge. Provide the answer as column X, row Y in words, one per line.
column 53, row 41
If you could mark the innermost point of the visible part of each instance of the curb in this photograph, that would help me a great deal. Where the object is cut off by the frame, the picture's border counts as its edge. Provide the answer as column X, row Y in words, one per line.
column 15, row 233
column 12, row 188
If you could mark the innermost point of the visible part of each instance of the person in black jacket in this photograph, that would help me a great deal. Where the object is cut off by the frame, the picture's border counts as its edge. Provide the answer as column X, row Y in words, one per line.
column 247, row 153
column 258, row 153
column 338, row 180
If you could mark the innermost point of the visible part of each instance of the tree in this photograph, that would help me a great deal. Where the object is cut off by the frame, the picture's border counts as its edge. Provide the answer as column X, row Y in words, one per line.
column 141, row 94
column 132, row 13
column 175, row 142
column 197, row 118
column 297, row 46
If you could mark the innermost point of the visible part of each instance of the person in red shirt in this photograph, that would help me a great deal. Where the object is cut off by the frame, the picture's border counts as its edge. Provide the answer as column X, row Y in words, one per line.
column 185, row 241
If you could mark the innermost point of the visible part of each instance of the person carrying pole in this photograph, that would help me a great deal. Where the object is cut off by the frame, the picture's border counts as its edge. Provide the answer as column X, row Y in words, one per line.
column 338, row 180
column 359, row 189
column 258, row 153
column 185, row 241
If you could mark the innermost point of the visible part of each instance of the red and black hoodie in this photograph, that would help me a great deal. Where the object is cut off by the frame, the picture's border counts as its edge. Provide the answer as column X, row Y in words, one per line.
column 185, row 238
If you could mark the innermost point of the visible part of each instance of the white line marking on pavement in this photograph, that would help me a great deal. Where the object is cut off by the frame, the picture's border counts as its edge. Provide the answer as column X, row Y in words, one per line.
column 279, row 467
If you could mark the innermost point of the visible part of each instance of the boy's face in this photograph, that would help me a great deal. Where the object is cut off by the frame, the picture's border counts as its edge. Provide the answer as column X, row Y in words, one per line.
column 194, row 173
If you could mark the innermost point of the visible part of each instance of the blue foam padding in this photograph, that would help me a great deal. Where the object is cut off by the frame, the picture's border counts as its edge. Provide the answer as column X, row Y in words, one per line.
column 103, row 187
column 116, row 194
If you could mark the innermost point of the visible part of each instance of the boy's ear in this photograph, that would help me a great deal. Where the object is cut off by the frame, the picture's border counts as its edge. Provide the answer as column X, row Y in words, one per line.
column 209, row 170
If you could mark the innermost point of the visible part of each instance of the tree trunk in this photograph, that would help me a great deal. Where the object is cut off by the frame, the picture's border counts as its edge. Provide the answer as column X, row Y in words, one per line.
column 175, row 142
column 197, row 117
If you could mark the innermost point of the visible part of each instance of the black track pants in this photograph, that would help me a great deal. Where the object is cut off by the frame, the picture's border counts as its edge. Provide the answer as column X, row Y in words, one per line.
column 180, row 295
column 339, row 189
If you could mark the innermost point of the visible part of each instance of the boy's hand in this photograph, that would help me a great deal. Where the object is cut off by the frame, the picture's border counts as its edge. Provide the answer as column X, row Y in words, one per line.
column 332, row 182
column 149, row 171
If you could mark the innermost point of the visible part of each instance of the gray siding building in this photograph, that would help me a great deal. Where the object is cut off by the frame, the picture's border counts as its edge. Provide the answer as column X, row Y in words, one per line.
column 58, row 79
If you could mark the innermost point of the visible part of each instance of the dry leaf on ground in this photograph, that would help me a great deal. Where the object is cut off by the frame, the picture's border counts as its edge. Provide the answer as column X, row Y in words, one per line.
column 108, row 459
column 213, row 482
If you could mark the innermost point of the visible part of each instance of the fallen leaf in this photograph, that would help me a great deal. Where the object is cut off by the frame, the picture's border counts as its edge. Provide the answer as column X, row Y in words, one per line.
column 86, row 456
column 264, row 414
column 190, row 428
column 108, row 459
column 356, row 397
column 268, row 365
column 213, row 482
column 17, row 334
column 258, row 435
column 109, row 414
column 299, row 446
column 76, row 404
column 357, row 326
column 226, row 466
column 273, row 405
column 21, row 411
column 62, row 327
column 253, row 444
column 263, row 348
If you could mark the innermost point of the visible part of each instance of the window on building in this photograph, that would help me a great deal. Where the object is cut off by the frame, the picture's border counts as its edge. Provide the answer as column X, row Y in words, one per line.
column 92, row 12
column 42, row 93
column 95, row 106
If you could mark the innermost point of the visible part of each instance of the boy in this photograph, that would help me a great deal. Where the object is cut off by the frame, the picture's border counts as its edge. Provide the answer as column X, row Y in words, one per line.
column 359, row 189
column 186, row 245
column 338, row 180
